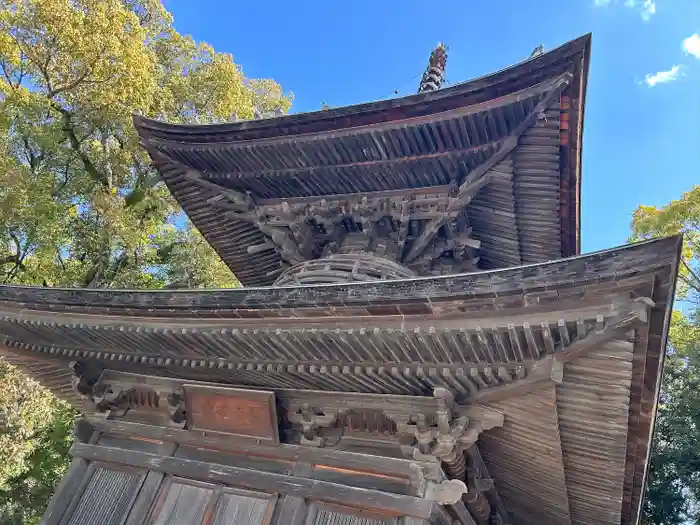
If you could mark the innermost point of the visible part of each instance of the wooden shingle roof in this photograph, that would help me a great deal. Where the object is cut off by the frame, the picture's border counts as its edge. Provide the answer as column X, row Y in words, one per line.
column 505, row 149
column 570, row 351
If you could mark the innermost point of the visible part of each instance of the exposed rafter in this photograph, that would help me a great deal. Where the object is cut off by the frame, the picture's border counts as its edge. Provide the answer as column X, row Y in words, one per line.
column 234, row 196
column 550, row 370
column 631, row 313
column 478, row 178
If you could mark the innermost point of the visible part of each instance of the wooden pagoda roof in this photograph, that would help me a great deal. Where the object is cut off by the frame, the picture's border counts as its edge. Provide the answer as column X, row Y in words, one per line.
column 570, row 351
column 505, row 148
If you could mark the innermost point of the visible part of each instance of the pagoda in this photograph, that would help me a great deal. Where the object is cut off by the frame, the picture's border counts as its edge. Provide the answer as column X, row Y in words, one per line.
column 417, row 339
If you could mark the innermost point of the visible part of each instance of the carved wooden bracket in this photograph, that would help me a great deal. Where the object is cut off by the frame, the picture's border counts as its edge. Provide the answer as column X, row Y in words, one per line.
column 446, row 434
column 311, row 419
column 448, row 492
column 117, row 395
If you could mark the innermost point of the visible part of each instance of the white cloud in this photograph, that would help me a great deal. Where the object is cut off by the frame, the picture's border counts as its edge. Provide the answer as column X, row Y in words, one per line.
column 646, row 8
column 663, row 77
column 691, row 45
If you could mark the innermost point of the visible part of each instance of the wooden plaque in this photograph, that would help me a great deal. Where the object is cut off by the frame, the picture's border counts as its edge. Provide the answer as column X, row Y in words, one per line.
column 234, row 411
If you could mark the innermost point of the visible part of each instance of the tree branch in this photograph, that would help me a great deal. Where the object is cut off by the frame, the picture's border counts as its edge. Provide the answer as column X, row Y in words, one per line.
column 69, row 131
column 82, row 79
column 12, row 259
column 66, row 178
column 696, row 284
column 60, row 259
column 6, row 74
column 17, row 259
column 32, row 158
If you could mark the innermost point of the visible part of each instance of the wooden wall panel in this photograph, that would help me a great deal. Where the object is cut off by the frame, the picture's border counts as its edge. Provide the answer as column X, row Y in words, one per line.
column 183, row 504
column 107, row 498
column 239, row 509
column 331, row 515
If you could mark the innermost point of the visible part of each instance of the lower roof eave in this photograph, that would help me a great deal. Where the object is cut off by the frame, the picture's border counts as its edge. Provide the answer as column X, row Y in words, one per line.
column 186, row 330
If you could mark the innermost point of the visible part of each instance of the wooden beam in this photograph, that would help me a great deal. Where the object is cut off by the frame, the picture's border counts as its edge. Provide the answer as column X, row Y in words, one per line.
column 370, row 164
column 632, row 313
column 284, row 452
column 387, row 503
column 288, row 248
column 494, row 497
column 462, row 513
column 539, row 377
column 148, row 492
column 549, row 371
column 232, row 195
column 478, row 178
column 511, row 141
column 357, row 197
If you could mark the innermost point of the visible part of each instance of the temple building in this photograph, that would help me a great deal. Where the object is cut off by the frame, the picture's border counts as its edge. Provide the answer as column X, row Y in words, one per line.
column 417, row 339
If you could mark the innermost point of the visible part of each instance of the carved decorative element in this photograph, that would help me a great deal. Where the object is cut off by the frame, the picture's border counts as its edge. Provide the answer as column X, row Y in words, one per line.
column 116, row 395
column 308, row 228
column 85, row 376
column 177, row 408
column 446, row 435
column 311, row 420
column 448, row 492
column 480, row 176
column 426, row 428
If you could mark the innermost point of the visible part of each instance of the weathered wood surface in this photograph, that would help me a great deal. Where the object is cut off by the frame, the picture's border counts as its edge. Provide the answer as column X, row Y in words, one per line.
column 65, row 492
column 525, row 460
column 492, row 290
column 419, row 472
column 479, row 356
column 478, row 469
column 290, row 510
column 525, row 295
column 148, row 492
column 414, row 142
column 249, row 413
column 71, row 481
column 479, row 176
column 264, row 481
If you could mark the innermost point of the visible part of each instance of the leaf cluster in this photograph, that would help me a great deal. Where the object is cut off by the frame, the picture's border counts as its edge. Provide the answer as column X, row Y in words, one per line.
column 80, row 203
column 673, row 490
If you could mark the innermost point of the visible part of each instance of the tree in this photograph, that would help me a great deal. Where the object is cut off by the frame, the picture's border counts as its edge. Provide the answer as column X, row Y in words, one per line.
column 35, row 435
column 80, row 203
column 679, row 216
column 673, row 491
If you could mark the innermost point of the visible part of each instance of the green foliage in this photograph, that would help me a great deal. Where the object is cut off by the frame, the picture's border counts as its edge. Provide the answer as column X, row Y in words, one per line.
column 80, row 203
column 673, row 490
column 679, row 216
column 35, row 435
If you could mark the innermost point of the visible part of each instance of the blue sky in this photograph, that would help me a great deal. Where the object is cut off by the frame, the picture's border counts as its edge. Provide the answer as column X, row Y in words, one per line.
column 642, row 127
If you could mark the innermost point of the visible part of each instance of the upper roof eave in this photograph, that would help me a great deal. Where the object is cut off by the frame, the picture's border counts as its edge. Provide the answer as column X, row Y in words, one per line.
column 168, row 145
column 507, row 80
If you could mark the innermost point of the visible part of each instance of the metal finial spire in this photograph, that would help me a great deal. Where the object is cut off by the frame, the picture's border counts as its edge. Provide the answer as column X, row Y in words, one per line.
column 434, row 75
